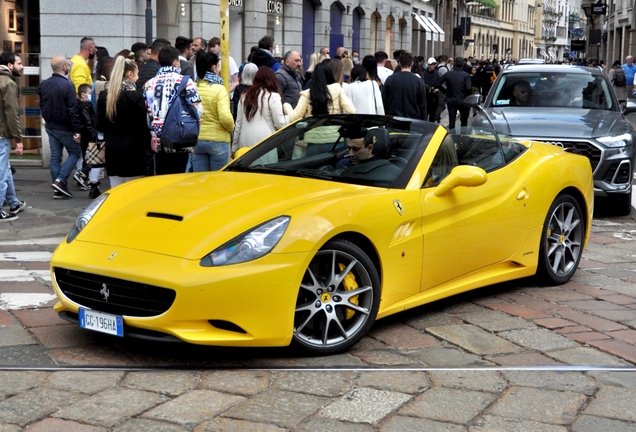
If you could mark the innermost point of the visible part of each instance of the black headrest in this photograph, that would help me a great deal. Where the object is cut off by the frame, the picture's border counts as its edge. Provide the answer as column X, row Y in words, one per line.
column 352, row 131
column 380, row 142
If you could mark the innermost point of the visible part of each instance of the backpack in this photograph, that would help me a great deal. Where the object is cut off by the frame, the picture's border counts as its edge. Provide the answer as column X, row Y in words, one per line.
column 619, row 77
column 181, row 125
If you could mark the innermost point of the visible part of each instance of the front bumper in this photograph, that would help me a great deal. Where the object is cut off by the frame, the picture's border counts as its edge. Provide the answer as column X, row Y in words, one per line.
column 249, row 304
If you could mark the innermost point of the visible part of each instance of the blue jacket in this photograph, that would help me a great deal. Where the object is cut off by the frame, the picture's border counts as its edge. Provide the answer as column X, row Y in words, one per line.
column 59, row 104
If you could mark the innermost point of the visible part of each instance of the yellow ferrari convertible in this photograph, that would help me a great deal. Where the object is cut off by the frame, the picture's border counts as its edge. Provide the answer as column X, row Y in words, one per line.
column 319, row 230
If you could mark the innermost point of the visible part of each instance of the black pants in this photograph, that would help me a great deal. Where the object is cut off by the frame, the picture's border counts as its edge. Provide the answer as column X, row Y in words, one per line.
column 431, row 106
column 464, row 111
column 170, row 163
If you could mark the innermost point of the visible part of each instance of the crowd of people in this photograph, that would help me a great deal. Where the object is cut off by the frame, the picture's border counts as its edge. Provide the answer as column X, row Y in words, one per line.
column 109, row 113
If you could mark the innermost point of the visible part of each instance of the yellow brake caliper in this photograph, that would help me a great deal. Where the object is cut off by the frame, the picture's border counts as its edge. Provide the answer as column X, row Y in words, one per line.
column 349, row 283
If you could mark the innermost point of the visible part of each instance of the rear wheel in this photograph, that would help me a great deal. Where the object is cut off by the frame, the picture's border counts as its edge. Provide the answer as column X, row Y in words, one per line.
column 338, row 299
column 561, row 241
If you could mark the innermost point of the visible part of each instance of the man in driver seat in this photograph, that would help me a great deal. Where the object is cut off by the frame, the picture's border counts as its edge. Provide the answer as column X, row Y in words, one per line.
column 360, row 151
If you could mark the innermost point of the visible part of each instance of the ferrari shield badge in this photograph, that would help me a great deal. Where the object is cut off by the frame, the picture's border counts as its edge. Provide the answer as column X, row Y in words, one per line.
column 398, row 206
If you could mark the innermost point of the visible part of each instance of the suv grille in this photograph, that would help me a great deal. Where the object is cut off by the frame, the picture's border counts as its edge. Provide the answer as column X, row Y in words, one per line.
column 585, row 148
column 111, row 295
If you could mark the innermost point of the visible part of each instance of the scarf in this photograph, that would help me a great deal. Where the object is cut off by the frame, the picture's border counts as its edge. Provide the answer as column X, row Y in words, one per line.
column 213, row 78
column 128, row 86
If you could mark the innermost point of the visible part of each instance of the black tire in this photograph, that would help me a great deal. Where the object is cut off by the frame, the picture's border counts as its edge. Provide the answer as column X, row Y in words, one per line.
column 561, row 241
column 621, row 205
column 338, row 299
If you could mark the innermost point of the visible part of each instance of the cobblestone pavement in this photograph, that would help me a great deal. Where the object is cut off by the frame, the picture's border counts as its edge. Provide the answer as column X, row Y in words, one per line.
column 508, row 357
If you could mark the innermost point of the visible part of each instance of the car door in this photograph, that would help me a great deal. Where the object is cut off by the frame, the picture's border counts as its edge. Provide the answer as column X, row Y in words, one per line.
column 470, row 228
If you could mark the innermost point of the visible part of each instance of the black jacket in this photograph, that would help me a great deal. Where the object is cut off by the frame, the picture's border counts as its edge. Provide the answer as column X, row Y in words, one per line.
column 264, row 58
column 58, row 104
column 290, row 85
column 458, row 86
column 147, row 71
column 87, row 117
column 127, row 136
column 404, row 95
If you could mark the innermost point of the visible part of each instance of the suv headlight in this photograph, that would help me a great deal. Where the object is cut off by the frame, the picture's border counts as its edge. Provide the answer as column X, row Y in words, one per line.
column 616, row 141
column 250, row 245
column 84, row 218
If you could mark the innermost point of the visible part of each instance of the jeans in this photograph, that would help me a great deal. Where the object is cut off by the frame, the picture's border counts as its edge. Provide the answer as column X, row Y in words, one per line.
column 5, row 172
column 60, row 140
column 210, row 156
column 10, row 198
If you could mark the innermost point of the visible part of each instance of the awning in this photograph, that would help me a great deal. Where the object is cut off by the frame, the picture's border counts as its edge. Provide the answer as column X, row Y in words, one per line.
column 437, row 28
column 424, row 23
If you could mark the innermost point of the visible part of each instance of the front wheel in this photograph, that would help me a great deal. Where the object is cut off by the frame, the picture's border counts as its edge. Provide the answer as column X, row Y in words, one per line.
column 561, row 241
column 338, row 299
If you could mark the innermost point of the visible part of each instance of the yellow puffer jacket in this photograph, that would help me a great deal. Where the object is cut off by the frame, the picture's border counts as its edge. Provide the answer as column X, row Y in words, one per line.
column 217, row 121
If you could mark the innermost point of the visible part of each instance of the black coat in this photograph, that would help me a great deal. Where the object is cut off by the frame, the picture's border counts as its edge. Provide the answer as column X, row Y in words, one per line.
column 147, row 71
column 59, row 104
column 127, row 137
column 458, row 86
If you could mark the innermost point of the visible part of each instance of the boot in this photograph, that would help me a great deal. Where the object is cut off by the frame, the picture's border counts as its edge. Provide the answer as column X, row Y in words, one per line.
column 94, row 192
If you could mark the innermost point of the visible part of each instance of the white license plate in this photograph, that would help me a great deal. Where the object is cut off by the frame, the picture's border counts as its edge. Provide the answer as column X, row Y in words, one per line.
column 101, row 322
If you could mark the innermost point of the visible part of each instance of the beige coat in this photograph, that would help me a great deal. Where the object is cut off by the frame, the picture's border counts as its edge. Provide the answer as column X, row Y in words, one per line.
column 340, row 103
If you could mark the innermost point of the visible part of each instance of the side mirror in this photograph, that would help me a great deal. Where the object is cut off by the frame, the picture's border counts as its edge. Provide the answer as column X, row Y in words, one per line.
column 462, row 175
column 240, row 152
column 630, row 106
column 473, row 101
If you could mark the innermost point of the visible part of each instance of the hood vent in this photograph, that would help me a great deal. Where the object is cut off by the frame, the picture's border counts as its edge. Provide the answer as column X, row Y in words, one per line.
column 165, row 216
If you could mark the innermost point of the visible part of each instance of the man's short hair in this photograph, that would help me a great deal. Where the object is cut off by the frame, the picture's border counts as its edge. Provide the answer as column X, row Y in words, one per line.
column 288, row 55
column 8, row 57
column 214, row 41
column 182, row 43
column 203, row 42
column 83, row 88
column 168, row 55
column 459, row 62
column 84, row 42
column 406, row 59
column 138, row 46
column 443, row 58
column 266, row 42
column 158, row 45
column 380, row 56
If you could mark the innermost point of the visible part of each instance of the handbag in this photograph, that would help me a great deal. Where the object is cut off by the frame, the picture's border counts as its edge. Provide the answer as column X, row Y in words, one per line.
column 96, row 154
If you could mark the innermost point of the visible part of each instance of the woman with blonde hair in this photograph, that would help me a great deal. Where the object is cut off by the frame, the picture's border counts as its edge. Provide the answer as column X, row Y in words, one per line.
column 121, row 117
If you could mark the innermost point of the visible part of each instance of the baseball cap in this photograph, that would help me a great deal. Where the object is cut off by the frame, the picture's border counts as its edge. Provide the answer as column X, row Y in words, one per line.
column 431, row 60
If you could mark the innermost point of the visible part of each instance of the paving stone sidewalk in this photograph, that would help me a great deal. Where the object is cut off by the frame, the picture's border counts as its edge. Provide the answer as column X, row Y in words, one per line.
column 457, row 364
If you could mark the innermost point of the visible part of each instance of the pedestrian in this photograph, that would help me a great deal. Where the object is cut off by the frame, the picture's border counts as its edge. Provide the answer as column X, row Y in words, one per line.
column 325, row 96
column 619, row 80
column 149, row 70
column 432, row 81
column 630, row 72
column 364, row 92
column 260, row 113
column 290, row 78
column 404, row 93
column 264, row 55
column 81, row 72
column 140, row 50
column 371, row 67
column 59, row 108
column 183, row 44
column 458, row 87
column 198, row 44
column 347, row 64
column 212, row 151
column 87, row 134
column 121, row 117
column 384, row 72
column 158, row 92
column 247, row 79
column 10, row 130
column 442, row 69
column 215, row 47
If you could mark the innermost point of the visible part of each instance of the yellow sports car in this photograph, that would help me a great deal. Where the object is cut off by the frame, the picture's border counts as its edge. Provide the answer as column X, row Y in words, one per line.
column 319, row 230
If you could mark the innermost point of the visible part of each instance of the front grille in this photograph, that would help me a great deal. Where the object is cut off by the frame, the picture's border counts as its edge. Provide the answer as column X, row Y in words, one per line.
column 585, row 148
column 112, row 295
column 619, row 173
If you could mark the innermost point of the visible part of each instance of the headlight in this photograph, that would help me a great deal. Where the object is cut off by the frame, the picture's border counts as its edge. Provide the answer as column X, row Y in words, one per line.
column 250, row 245
column 617, row 141
column 85, row 217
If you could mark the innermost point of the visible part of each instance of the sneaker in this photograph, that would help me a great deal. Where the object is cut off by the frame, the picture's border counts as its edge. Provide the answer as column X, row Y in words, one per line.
column 62, row 187
column 81, row 180
column 58, row 195
column 6, row 217
column 18, row 208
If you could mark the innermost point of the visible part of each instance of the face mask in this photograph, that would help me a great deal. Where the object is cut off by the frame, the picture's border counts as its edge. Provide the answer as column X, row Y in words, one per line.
column 89, row 97
column 355, row 59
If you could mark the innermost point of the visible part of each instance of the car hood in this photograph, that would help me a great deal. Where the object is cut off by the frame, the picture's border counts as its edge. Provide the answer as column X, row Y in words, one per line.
column 190, row 215
column 574, row 123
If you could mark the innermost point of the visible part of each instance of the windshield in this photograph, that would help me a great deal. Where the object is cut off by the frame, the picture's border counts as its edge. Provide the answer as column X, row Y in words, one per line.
column 368, row 150
column 553, row 89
